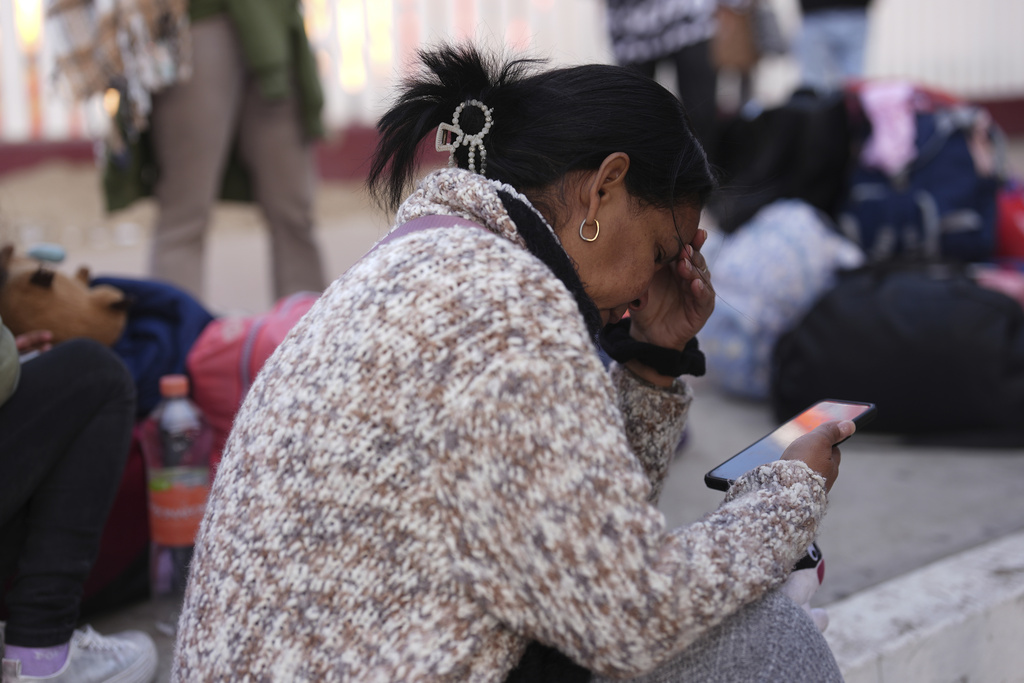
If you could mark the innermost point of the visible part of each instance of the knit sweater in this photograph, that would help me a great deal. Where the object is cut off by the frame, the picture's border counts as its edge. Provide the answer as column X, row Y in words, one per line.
column 434, row 468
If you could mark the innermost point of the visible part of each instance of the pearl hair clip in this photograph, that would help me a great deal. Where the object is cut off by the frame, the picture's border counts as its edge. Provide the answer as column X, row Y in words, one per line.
column 472, row 142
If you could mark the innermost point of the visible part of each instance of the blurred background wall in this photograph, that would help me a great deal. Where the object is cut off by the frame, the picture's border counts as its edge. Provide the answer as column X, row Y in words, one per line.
column 972, row 49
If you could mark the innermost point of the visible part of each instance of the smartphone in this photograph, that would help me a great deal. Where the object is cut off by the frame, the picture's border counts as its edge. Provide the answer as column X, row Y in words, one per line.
column 770, row 448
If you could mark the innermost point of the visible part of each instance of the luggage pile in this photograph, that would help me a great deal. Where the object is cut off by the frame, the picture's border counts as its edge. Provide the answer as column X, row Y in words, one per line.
column 873, row 250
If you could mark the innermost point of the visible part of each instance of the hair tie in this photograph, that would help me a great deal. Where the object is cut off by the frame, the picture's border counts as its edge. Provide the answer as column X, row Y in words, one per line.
column 617, row 343
column 472, row 142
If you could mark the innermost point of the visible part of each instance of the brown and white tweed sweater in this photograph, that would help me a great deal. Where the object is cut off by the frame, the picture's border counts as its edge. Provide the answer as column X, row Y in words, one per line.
column 435, row 468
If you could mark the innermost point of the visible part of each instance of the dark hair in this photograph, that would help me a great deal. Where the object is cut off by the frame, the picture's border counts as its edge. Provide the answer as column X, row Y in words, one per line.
column 545, row 125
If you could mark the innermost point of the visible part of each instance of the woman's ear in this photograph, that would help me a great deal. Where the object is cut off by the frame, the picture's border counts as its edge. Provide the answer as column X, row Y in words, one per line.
column 606, row 183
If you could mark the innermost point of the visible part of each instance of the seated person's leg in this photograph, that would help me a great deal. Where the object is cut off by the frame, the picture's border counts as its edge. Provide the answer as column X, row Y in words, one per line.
column 772, row 639
column 64, row 438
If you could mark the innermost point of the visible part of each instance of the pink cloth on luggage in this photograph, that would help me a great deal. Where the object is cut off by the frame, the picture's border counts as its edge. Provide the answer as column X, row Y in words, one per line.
column 890, row 108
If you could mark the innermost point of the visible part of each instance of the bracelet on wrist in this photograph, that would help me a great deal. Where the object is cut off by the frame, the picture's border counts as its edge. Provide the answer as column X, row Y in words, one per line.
column 617, row 343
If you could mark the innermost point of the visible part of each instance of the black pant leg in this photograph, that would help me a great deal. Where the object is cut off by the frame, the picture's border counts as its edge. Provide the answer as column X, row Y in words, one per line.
column 64, row 439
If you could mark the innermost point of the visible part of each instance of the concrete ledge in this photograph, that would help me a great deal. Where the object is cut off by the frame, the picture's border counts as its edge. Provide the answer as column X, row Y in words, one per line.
column 958, row 620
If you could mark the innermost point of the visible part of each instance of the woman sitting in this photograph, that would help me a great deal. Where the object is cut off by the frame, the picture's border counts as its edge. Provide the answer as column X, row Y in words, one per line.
column 435, row 468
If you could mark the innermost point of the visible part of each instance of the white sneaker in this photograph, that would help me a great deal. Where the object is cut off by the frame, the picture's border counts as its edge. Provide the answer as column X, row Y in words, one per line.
column 126, row 657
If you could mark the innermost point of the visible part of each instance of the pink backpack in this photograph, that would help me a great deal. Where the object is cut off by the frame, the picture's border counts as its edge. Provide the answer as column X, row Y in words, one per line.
column 228, row 354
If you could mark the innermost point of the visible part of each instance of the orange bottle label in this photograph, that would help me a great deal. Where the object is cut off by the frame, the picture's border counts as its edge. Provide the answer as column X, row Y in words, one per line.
column 175, row 513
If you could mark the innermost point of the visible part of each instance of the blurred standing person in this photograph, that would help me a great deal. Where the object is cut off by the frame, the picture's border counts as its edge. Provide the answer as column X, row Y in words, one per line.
column 831, row 41
column 219, row 99
column 645, row 33
column 253, row 99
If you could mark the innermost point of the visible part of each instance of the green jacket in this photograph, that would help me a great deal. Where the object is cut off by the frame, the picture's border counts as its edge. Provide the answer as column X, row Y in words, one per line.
column 10, row 365
column 276, row 49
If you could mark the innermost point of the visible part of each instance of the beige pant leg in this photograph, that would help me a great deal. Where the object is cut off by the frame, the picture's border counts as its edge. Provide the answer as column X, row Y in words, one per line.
column 281, row 168
column 192, row 128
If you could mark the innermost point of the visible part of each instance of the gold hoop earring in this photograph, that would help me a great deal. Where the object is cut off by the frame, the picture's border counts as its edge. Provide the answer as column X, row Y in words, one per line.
column 590, row 239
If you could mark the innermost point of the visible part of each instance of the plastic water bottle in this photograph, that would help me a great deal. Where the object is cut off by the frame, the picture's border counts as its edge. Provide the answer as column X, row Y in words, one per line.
column 176, row 441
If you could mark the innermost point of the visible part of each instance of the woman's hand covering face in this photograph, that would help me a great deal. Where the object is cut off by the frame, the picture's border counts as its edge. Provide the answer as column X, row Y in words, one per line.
column 678, row 302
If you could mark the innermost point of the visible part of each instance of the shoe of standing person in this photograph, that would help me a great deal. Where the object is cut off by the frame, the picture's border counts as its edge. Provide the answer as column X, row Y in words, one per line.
column 126, row 657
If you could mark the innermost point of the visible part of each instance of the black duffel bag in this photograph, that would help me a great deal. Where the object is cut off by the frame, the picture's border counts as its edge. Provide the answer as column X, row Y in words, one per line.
column 939, row 354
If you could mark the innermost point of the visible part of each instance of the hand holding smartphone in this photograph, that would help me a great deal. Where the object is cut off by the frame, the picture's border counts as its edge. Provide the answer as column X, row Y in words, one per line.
column 771, row 447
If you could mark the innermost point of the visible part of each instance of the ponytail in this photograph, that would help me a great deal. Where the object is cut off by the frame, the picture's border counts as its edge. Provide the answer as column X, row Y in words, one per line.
column 544, row 125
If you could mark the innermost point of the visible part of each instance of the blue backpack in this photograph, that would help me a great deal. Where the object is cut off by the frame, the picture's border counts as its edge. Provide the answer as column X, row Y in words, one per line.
column 940, row 207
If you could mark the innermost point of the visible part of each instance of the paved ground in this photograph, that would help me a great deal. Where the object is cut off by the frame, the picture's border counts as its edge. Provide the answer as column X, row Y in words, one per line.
column 894, row 509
